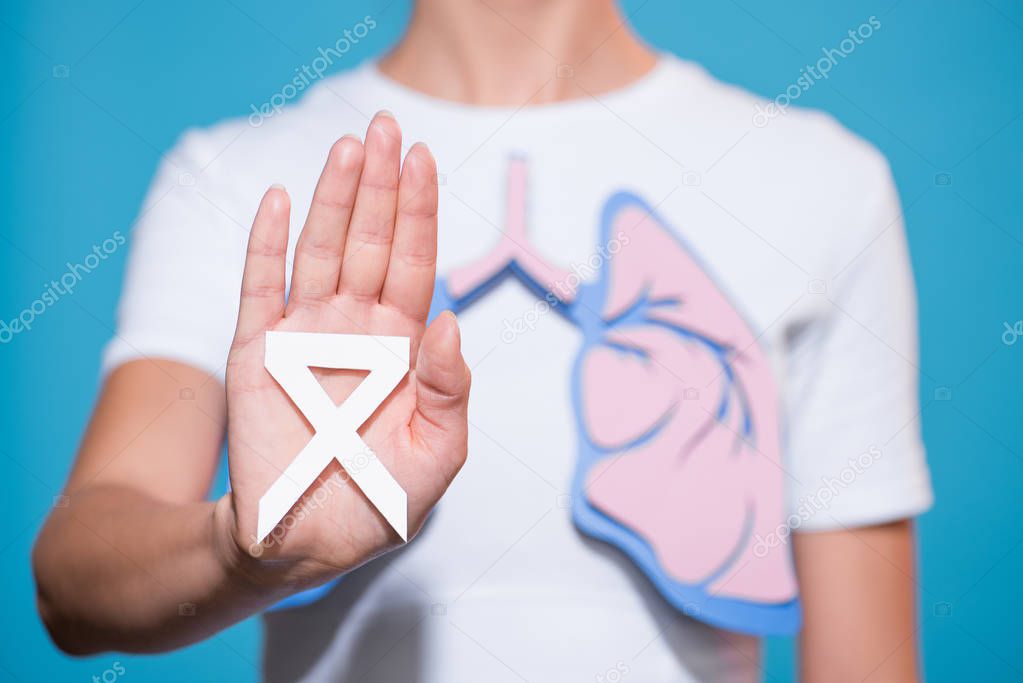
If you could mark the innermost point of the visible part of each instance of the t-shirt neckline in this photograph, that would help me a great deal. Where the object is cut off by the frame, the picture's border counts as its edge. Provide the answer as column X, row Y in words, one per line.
column 404, row 97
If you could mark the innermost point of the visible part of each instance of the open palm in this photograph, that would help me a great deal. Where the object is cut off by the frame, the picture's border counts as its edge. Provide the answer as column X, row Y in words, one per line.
column 364, row 264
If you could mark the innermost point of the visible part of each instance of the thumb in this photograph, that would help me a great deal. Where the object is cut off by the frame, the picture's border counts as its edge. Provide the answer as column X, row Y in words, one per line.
column 442, row 390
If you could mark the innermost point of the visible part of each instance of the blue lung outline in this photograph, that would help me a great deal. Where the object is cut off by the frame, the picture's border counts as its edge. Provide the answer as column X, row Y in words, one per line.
column 690, row 599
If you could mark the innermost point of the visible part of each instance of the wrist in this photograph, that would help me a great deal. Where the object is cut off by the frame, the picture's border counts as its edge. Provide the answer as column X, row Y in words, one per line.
column 241, row 567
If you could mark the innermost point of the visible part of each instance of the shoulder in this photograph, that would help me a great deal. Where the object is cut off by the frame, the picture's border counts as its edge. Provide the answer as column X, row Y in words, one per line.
column 798, row 165
column 795, row 139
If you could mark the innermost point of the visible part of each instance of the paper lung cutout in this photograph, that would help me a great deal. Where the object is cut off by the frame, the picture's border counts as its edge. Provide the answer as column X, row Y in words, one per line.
column 677, row 413
column 679, row 421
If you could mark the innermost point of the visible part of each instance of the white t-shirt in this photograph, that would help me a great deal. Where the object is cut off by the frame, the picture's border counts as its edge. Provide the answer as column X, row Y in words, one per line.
column 688, row 334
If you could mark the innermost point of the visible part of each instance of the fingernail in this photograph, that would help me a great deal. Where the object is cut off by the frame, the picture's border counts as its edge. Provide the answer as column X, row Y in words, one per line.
column 278, row 186
column 422, row 146
column 385, row 112
column 418, row 158
column 349, row 150
column 454, row 334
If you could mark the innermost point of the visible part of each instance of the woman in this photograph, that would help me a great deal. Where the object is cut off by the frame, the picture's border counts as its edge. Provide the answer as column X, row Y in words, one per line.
column 691, row 334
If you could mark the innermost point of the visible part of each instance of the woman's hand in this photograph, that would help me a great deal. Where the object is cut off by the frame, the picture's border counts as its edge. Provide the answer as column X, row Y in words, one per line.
column 365, row 264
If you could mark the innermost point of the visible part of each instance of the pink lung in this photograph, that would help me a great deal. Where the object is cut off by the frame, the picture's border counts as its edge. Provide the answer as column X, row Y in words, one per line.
column 710, row 479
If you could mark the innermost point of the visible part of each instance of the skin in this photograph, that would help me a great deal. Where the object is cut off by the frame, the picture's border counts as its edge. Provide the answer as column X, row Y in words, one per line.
column 858, row 589
column 138, row 561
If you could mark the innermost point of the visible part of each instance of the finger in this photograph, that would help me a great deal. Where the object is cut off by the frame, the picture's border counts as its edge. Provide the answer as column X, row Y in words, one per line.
column 262, row 297
column 319, row 249
column 371, row 230
column 442, row 394
column 412, row 267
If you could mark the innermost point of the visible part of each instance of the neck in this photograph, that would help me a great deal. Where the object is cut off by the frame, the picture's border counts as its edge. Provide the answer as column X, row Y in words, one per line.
column 503, row 53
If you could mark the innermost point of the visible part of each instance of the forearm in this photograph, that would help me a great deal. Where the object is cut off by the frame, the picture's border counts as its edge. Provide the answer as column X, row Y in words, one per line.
column 116, row 569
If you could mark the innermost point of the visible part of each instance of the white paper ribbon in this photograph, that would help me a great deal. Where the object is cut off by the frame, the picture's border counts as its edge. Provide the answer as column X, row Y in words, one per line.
column 289, row 357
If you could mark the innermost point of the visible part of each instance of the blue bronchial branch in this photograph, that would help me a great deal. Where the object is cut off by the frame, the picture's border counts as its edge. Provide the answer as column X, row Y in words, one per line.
column 640, row 313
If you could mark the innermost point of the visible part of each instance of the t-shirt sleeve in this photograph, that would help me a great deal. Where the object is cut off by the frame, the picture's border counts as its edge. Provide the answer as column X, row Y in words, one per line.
column 179, row 300
column 854, row 447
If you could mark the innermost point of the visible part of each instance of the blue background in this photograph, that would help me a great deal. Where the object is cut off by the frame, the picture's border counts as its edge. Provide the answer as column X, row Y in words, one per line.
column 937, row 88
